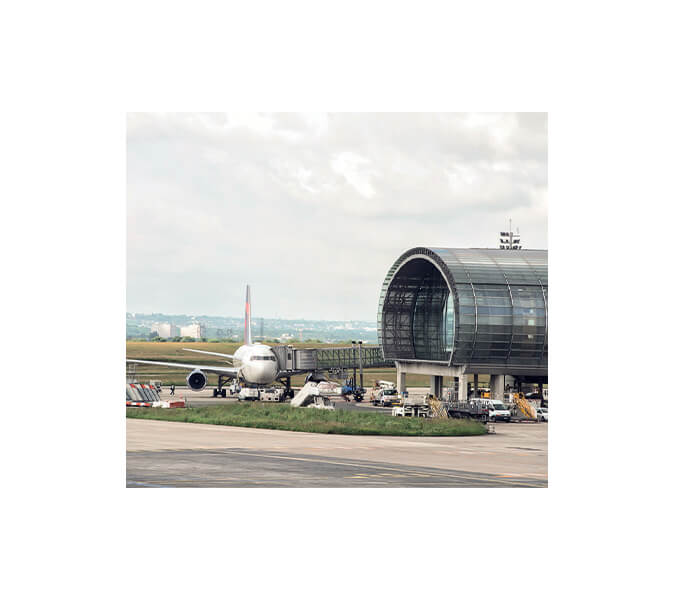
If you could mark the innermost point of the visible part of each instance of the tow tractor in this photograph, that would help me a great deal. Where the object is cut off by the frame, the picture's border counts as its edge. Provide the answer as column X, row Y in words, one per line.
column 350, row 389
column 269, row 394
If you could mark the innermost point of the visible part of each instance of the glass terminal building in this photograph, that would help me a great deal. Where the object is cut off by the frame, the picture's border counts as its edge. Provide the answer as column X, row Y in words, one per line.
column 469, row 310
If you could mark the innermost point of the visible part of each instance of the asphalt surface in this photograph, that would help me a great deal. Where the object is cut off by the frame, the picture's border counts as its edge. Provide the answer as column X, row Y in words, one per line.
column 166, row 454
column 239, row 467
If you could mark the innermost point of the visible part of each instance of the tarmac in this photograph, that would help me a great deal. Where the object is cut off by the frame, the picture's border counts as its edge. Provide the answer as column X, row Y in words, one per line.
column 168, row 454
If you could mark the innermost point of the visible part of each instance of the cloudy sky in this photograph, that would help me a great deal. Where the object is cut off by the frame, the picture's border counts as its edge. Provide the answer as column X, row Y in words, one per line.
column 312, row 209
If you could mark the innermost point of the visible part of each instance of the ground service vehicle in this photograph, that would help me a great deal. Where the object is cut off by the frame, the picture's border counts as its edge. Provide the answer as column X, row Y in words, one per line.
column 411, row 410
column 271, row 394
column 248, row 394
column 475, row 409
column 498, row 412
column 351, row 389
column 387, row 397
column 542, row 414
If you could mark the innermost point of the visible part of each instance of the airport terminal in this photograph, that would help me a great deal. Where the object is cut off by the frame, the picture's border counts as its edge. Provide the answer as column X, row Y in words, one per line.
column 457, row 313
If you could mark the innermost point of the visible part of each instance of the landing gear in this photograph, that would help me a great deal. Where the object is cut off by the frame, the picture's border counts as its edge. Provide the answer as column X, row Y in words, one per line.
column 221, row 391
column 288, row 392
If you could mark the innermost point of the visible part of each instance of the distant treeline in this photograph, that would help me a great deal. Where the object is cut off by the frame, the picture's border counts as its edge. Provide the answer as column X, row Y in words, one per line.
column 188, row 338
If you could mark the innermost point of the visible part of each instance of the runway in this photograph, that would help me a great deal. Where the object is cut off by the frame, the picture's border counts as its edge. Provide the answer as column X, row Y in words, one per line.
column 165, row 454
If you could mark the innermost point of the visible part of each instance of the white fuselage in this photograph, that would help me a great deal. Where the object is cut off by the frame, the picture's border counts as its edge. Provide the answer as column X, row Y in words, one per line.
column 257, row 363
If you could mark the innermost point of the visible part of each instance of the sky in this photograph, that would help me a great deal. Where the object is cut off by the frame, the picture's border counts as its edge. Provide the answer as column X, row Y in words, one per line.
column 312, row 209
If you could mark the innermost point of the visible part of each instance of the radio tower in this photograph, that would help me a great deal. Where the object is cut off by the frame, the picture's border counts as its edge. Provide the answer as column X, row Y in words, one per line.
column 510, row 240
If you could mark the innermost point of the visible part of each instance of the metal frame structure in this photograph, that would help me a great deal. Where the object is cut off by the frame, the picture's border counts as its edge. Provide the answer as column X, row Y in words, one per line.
column 484, row 309
column 347, row 358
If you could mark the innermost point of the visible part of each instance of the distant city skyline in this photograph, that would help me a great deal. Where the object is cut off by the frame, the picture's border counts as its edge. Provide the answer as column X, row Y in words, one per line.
column 142, row 325
column 240, row 318
column 311, row 210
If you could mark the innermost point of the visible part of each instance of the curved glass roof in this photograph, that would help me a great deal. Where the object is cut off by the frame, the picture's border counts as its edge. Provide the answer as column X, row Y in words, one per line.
column 467, row 307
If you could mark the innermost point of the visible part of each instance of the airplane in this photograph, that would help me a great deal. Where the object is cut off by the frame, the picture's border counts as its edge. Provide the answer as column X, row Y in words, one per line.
column 254, row 364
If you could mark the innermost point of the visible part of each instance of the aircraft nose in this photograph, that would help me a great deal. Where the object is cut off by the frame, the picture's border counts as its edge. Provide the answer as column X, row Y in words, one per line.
column 267, row 371
column 260, row 372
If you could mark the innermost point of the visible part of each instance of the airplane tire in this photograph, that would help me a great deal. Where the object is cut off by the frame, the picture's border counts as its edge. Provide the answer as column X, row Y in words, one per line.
column 215, row 393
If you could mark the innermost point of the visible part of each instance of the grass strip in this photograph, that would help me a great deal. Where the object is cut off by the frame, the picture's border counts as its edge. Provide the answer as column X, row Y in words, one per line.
column 288, row 418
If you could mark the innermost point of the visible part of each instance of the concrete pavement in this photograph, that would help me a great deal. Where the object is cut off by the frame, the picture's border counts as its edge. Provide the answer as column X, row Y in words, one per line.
column 161, row 453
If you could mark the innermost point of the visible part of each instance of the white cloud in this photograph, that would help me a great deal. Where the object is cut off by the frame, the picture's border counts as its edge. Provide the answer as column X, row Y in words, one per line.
column 312, row 209
column 355, row 169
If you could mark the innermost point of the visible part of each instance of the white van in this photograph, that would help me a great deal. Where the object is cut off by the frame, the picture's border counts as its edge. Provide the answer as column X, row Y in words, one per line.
column 497, row 411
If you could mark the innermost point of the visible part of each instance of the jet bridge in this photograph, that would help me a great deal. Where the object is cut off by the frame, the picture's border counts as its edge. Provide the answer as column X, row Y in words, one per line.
column 319, row 359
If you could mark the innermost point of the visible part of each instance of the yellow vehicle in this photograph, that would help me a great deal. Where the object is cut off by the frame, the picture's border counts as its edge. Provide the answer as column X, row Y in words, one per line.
column 523, row 404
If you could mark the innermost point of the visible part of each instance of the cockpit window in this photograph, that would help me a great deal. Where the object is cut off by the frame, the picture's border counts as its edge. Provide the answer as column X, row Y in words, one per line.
column 272, row 357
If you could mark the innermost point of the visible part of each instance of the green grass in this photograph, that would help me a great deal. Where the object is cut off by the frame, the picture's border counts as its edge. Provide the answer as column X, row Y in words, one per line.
column 275, row 416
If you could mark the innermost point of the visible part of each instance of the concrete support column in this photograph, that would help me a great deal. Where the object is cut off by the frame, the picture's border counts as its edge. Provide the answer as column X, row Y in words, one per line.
column 463, row 388
column 496, row 387
column 475, row 385
column 400, row 381
column 436, row 385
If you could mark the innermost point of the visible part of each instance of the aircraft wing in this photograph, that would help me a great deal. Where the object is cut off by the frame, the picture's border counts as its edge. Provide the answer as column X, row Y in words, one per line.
column 230, row 356
column 205, row 368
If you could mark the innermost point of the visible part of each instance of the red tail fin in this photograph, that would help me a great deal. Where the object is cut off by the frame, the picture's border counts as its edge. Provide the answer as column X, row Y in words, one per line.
column 247, row 337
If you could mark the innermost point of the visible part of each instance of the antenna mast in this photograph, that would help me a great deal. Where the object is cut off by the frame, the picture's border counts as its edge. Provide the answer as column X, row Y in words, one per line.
column 510, row 240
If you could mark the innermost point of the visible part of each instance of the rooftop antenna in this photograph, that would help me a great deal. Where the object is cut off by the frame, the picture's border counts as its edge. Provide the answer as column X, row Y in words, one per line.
column 510, row 240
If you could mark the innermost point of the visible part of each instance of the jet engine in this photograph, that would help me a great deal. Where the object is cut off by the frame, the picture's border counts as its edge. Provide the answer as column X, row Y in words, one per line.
column 197, row 380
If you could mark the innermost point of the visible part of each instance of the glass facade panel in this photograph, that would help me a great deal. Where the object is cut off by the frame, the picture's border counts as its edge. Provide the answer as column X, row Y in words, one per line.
column 465, row 306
